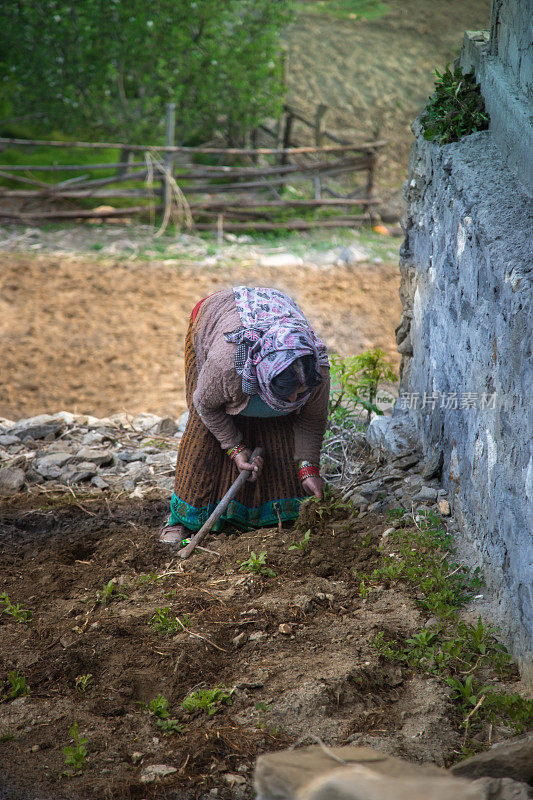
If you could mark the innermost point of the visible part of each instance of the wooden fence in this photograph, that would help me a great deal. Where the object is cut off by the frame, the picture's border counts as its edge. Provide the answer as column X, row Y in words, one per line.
column 244, row 193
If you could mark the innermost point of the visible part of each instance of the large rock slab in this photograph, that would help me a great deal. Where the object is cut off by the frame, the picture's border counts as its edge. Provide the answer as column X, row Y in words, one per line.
column 507, row 760
column 284, row 775
column 363, row 783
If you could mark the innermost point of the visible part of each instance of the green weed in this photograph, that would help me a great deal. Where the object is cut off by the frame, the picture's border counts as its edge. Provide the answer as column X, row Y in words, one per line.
column 108, row 593
column 257, row 565
column 81, row 682
column 19, row 687
column 303, row 544
column 16, row 611
column 75, row 754
column 159, row 709
column 164, row 622
column 210, row 700
column 455, row 109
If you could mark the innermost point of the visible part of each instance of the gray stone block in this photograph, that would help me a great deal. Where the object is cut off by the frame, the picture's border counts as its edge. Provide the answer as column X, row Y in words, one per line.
column 37, row 427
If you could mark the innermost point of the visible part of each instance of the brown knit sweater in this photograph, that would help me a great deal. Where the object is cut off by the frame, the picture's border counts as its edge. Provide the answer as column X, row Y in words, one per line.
column 219, row 397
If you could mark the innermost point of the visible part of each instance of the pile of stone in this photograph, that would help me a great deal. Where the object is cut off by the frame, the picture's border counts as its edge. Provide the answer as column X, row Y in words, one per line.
column 138, row 455
column 51, row 452
column 359, row 773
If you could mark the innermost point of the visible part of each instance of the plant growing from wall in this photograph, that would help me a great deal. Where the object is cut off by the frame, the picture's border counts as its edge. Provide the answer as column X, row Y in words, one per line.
column 455, row 109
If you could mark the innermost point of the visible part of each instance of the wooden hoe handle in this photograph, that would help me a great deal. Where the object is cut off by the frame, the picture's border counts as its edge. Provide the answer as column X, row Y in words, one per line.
column 234, row 489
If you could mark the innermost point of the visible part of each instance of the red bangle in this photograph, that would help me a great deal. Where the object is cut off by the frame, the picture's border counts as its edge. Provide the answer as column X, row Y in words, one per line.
column 234, row 451
column 309, row 471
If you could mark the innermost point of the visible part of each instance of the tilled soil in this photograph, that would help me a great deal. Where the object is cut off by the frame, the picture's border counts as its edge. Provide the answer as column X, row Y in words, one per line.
column 297, row 650
column 100, row 336
column 375, row 75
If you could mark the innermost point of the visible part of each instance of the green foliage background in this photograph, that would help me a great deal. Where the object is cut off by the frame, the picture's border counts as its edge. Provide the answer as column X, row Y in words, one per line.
column 107, row 68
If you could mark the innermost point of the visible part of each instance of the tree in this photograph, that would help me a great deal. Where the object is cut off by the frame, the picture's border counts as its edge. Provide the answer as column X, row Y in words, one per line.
column 108, row 67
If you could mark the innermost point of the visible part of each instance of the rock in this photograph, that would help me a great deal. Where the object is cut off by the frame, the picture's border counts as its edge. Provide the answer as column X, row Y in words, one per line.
column 131, row 455
column 156, row 772
column 6, row 424
column 37, row 427
column 444, row 508
column 406, row 346
column 11, row 480
column 363, row 783
column 145, row 422
column 512, row 759
column 76, row 473
column 166, row 427
column 502, row 789
column 92, row 437
column 234, row 780
column 285, row 628
column 352, row 255
column 67, row 417
column 136, row 757
column 165, row 459
column 99, row 482
column 280, row 260
column 375, row 506
column 369, row 490
column 49, row 466
column 6, row 439
column 98, row 457
column 396, row 434
column 427, row 494
column 286, row 774
column 406, row 462
column 240, row 639
column 256, row 636
column 433, row 465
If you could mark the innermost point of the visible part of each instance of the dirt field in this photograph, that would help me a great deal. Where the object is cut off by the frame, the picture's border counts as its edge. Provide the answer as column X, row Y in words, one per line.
column 297, row 649
column 101, row 336
column 378, row 74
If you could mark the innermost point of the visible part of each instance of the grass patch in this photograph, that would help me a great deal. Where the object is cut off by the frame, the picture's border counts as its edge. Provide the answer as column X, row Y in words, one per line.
column 463, row 655
column 420, row 560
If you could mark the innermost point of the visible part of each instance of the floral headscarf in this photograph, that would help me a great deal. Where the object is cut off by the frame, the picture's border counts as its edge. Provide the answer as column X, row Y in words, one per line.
column 275, row 333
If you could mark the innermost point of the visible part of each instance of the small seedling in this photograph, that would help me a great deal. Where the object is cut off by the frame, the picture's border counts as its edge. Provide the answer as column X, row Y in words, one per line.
column 82, row 681
column 164, row 622
column 16, row 611
column 19, row 687
column 107, row 593
column 159, row 709
column 75, row 754
column 209, row 700
column 303, row 544
column 363, row 590
column 257, row 565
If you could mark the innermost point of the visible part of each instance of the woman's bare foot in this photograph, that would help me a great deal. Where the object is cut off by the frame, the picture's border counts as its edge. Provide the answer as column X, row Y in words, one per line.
column 172, row 534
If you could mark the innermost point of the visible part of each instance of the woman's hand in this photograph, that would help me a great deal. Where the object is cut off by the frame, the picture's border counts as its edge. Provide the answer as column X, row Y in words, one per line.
column 314, row 485
column 242, row 461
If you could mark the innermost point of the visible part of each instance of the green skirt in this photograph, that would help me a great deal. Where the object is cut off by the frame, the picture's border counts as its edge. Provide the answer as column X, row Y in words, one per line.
column 204, row 472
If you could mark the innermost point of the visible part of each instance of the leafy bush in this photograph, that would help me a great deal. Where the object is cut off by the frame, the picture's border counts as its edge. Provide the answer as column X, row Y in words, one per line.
column 455, row 109
column 355, row 381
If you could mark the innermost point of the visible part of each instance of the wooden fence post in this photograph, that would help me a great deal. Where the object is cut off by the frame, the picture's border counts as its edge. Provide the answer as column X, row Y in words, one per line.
column 168, row 158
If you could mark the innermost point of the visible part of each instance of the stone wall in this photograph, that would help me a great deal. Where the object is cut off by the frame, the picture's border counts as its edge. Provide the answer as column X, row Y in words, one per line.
column 466, row 341
column 511, row 37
